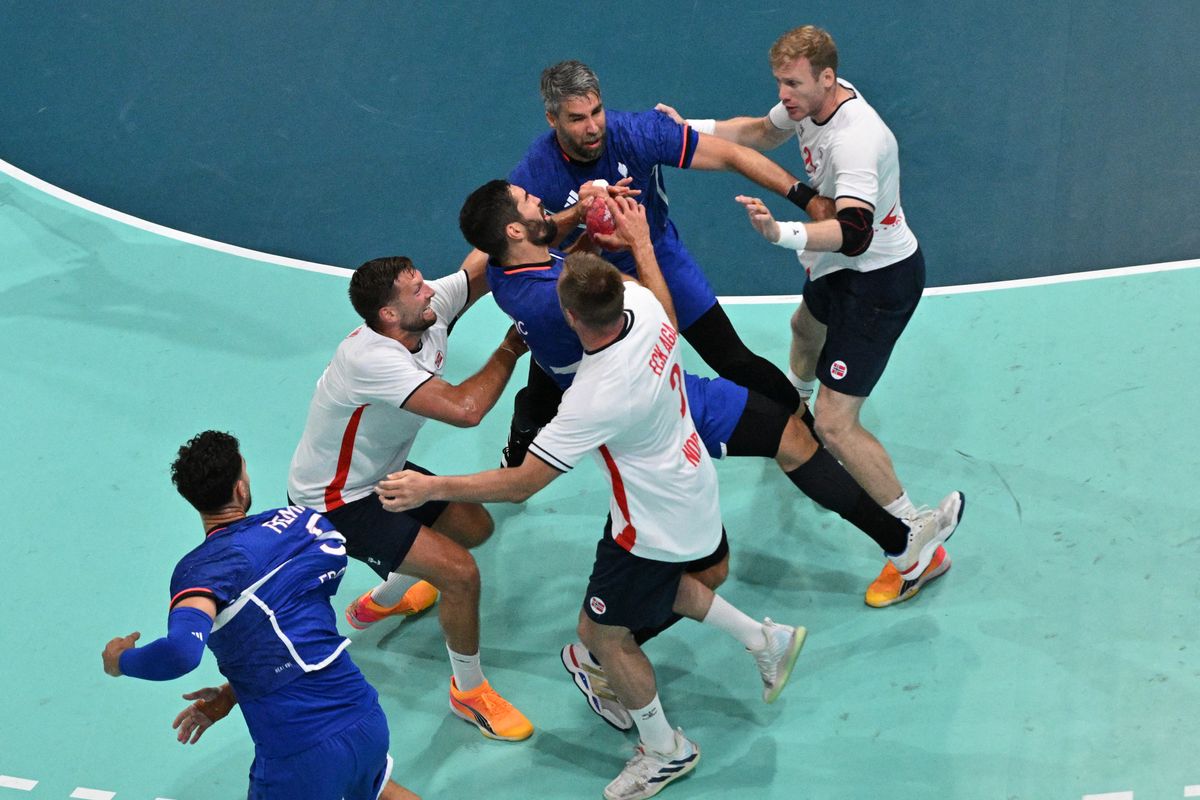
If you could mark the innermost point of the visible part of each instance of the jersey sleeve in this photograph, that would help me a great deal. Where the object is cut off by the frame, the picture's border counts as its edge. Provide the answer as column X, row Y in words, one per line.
column 780, row 119
column 663, row 139
column 388, row 377
column 218, row 572
column 855, row 161
column 580, row 426
column 450, row 295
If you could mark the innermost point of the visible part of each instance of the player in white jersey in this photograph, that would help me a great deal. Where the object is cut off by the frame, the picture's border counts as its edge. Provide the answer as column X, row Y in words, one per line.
column 865, row 267
column 628, row 405
column 381, row 386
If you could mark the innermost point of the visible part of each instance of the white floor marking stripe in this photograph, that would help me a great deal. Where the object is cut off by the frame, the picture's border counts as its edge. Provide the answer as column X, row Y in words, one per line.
column 1109, row 796
column 311, row 266
column 23, row 784
column 163, row 230
column 1191, row 791
column 82, row 793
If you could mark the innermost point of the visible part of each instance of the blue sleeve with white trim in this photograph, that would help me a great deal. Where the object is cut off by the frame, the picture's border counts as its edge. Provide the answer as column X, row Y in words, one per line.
column 176, row 654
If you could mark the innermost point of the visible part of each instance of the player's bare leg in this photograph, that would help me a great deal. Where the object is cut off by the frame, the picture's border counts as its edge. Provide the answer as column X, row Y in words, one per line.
column 628, row 670
column 859, row 451
column 469, row 524
column 808, row 337
column 449, row 566
column 446, row 564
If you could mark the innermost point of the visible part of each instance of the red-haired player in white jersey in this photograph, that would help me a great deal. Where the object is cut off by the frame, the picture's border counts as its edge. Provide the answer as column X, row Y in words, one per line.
column 381, row 386
column 628, row 405
column 865, row 267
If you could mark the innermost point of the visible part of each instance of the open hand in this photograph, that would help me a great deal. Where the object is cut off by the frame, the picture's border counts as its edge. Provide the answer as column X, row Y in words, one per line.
column 760, row 217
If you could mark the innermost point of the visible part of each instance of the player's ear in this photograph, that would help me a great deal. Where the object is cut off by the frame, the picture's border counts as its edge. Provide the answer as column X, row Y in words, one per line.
column 515, row 231
column 551, row 121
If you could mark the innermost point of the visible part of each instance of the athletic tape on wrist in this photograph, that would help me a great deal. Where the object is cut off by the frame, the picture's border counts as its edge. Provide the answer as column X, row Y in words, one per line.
column 792, row 235
column 708, row 126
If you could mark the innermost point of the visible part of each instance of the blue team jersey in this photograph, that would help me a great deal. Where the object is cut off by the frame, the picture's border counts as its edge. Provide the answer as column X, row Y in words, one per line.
column 275, row 635
column 636, row 145
column 527, row 294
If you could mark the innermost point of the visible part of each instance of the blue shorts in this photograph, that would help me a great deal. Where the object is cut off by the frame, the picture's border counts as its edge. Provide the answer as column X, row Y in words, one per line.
column 716, row 405
column 353, row 765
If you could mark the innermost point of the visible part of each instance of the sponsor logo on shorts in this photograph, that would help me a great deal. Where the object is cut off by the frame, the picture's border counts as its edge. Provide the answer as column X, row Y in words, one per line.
column 597, row 605
column 837, row 370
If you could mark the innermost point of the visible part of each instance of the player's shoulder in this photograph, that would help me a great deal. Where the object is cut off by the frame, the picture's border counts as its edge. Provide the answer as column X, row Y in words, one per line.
column 541, row 153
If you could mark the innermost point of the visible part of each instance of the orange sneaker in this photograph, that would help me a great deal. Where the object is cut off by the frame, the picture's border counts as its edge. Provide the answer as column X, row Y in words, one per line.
column 365, row 612
column 495, row 717
column 890, row 588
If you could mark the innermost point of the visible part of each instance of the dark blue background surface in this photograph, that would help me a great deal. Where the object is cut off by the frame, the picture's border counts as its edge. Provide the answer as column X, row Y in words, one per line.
column 1035, row 138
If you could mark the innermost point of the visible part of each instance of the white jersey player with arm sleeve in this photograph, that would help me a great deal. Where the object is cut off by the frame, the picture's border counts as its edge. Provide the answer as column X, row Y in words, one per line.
column 853, row 154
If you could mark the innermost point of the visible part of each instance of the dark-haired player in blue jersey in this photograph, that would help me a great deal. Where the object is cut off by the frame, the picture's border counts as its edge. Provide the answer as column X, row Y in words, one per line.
column 257, row 591
column 514, row 228
column 588, row 142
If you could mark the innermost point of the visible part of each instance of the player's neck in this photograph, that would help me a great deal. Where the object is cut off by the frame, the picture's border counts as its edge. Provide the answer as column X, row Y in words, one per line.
column 221, row 518
column 410, row 339
column 839, row 95
column 525, row 253
column 594, row 339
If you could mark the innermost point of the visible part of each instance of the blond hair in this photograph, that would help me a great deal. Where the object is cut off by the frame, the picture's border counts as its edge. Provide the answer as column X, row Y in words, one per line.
column 808, row 42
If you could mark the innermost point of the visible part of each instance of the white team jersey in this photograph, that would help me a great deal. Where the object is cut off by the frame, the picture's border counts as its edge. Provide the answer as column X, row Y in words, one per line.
column 357, row 432
column 628, row 404
column 854, row 154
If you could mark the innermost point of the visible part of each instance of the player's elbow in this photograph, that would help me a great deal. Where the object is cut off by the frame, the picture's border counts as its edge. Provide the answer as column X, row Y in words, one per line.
column 466, row 414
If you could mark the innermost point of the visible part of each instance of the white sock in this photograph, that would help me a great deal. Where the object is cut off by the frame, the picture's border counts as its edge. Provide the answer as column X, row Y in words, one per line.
column 901, row 507
column 805, row 388
column 467, row 672
column 391, row 591
column 653, row 727
column 725, row 617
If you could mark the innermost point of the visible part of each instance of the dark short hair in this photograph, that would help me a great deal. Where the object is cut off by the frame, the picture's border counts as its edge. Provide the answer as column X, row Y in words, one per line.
column 206, row 470
column 372, row 285
column 565, row 80
column 485, row 215
column 592, row 289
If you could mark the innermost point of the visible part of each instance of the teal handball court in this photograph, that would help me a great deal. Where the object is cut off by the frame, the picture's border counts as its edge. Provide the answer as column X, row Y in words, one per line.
column 1055, row 661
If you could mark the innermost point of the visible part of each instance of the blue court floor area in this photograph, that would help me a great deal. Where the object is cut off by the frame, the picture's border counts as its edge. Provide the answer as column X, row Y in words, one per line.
column 1057, row 659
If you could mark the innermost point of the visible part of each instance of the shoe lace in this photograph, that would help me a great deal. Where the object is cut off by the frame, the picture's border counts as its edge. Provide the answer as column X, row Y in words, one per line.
column 641, row 767
column 492, row 704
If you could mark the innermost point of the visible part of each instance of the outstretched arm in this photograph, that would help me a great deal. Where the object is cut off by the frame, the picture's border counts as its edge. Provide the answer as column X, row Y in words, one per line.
column 465, row 405
column 757, row 132
column 175, row 654
column 407, row 489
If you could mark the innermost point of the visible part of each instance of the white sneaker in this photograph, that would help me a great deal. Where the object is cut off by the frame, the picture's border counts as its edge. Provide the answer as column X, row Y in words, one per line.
column 928, row 529
column 777, row 656
column 589, row 677
column 649, row 772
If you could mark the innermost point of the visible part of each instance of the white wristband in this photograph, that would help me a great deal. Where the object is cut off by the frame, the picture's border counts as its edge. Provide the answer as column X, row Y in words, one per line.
column 708, row 126
column 792, row 235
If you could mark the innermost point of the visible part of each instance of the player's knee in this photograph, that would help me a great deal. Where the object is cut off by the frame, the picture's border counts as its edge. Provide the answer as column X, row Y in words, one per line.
column 796, row 446
column 460, row 577
column 714, row 576
column 481, row 526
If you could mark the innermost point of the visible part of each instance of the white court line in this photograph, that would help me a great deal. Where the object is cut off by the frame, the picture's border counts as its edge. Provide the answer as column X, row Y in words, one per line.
column 1109, row 796
column 1191, row 791
column 311, row 266
column 23, row 784
column 83, row 793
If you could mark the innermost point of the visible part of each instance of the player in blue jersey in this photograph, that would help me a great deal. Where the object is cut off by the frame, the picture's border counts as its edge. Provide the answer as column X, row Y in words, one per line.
column 257, row 591
column 513, row 227
column 587, row 142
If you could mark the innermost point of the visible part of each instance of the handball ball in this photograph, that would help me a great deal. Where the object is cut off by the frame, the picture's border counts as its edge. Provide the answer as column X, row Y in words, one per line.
column 599, row 219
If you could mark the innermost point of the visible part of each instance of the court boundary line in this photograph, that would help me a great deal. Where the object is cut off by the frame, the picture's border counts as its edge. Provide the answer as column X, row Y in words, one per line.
column 71, row 198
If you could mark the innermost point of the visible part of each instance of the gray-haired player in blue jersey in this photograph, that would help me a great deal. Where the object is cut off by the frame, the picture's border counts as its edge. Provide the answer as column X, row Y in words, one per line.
column 257, row 591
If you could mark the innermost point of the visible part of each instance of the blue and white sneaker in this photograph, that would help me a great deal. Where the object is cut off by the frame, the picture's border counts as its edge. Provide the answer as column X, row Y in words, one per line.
column 649, row 772
column 589, row 677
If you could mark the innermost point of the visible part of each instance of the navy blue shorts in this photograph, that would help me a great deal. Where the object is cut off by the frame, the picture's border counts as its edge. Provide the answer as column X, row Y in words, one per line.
column 864, row 313
column 634, row 592
column 380, row 538
column 353, row 764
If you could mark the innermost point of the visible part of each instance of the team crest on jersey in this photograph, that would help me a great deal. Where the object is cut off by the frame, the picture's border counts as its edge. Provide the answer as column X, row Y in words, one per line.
column 624, row 170
column 597, row 605
column 438, row 360
column 837, row 370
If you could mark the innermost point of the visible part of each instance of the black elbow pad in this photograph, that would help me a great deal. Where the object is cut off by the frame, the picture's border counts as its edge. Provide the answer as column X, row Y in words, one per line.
column 857, row 230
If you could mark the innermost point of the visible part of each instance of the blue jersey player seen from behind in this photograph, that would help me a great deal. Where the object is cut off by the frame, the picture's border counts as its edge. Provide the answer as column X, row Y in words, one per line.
column 257, row 591
column 588, row 142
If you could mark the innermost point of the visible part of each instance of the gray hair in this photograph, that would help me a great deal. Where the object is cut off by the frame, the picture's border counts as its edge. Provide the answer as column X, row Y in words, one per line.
column 567, row 79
